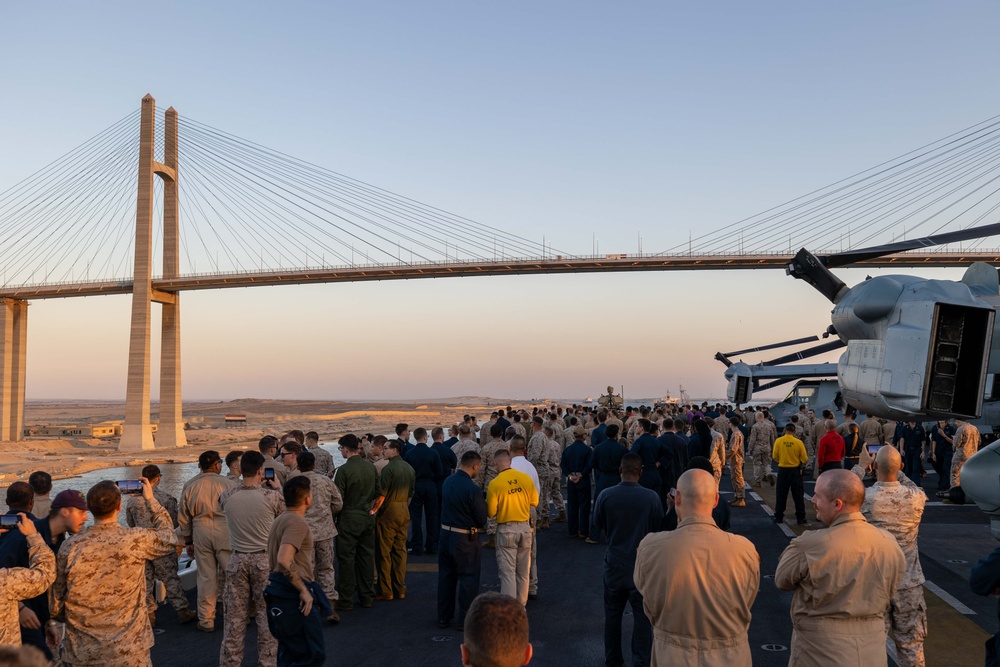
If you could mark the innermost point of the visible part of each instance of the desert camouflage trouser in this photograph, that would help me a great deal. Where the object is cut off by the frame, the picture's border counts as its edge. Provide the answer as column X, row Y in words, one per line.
column 761, row 464
column 554, row 493
column 165, row 569
column 736, row 471
column 907, row 620
column 246, row 579
column 323, row 559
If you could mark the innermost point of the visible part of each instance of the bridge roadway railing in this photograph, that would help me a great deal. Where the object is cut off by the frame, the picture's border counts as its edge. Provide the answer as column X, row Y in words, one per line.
column 617, row 262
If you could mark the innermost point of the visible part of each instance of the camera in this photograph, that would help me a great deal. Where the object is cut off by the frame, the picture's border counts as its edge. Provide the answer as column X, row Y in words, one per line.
column 9, row 521
column 130, row 487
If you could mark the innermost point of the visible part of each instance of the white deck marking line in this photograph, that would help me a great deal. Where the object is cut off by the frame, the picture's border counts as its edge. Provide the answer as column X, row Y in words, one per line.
column 807, row 497
column 949, row 598
column 786, row 530
column 756, row 497
column 767, row 509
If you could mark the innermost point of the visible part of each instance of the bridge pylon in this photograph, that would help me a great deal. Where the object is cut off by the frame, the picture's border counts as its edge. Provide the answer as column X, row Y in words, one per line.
column 137, row 431
column 13, row 353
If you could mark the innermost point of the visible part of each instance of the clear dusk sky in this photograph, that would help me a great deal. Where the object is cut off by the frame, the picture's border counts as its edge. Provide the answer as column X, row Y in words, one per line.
column 574, row 121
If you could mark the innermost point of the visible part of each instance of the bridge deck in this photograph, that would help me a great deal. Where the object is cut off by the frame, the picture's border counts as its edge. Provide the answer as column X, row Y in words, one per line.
column 403, row 271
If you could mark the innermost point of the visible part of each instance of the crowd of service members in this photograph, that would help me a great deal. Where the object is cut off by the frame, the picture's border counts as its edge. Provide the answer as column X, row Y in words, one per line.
column 644, row 482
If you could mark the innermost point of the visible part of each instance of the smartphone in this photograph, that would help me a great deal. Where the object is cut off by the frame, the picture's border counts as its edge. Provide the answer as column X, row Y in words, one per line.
column 268, row 473
column 9, row 521
column 873, row 449
column 130, row 487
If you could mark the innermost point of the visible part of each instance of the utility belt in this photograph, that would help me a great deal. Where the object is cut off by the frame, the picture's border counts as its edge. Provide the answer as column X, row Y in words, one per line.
column 247, row 553
column 473, row 533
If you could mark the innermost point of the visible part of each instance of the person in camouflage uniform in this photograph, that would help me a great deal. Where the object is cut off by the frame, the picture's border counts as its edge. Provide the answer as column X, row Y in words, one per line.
column 163, row 568
column 735, row 456
column 966, row 443
column 324, row 459
column 100, row 587
column 21, row 583
column 488, row 472
column 761, row 445
column 250, row 510
column 553, row 493
column 538, row 456
column 466, row 443
column 894, row 503
column 326, row 504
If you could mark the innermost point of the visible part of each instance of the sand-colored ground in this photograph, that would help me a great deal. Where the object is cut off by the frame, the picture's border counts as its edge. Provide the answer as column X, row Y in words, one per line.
column 207, row 429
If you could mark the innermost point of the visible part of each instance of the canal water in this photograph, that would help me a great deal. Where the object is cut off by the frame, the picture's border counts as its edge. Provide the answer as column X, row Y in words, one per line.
column 174, row 476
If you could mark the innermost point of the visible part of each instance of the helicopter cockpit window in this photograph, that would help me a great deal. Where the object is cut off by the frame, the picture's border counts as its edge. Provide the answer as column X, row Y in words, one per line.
column 800, row 395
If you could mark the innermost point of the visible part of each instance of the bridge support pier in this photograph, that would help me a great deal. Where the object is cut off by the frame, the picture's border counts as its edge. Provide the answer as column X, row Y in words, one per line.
column 137, row 431
column 171, row 426
column 13, row 354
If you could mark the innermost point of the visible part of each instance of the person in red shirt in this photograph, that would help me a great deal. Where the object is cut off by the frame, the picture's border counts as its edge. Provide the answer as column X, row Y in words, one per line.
column 831, row 448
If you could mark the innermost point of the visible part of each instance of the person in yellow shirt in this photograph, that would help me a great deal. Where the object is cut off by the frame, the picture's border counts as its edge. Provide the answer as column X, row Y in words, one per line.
column 509, row 499
column 790, row 454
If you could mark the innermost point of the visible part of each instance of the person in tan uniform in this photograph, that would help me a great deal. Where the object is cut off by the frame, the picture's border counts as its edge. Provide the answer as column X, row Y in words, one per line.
column 100, row 588
column 843, row 579
column 202, row 525
column 871, row 431
column 538, row 456
column 250, row 510
column 232, row 467
column 268, row 446
column 715, row 573
column 716, row 450
column 163, row 568
column 22, row 583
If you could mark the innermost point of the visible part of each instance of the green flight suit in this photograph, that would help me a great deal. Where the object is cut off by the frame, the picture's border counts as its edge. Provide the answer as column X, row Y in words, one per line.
column 357, row 480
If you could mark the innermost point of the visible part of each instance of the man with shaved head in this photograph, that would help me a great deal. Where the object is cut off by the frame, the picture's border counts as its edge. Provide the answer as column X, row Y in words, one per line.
column 896, row 504
column 843, row 579
column 715, row 573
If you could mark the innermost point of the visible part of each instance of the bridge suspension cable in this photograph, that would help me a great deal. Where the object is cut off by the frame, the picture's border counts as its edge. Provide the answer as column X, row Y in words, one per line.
column 950, row 183
column 259, row 208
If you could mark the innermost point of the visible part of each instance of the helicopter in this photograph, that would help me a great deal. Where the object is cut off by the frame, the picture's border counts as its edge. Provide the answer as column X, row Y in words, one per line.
column 917, row 349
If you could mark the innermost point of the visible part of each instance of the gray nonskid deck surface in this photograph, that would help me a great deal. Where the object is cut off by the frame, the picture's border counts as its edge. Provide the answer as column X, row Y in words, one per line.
column 567, row 619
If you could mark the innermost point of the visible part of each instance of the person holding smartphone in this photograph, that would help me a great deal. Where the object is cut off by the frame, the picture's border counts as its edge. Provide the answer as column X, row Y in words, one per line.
column 21, row 583
column 100, row 590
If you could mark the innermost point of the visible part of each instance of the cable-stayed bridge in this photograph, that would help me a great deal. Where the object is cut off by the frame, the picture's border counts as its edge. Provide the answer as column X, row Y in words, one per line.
column 210, row 210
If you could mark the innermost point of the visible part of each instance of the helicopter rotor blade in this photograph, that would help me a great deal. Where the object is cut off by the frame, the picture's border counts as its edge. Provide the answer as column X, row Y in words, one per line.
column 805, row 354
column 860, row 255
column 772, row 346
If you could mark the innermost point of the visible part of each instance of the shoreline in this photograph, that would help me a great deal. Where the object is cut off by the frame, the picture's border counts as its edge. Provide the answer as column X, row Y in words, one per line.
column 68, row 456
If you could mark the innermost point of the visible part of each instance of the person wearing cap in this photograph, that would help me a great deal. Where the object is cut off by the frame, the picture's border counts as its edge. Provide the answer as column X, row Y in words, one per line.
column 202, row 525
column 19, row 583
column 356, row 480
column 100, row 588
column 163, row 568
